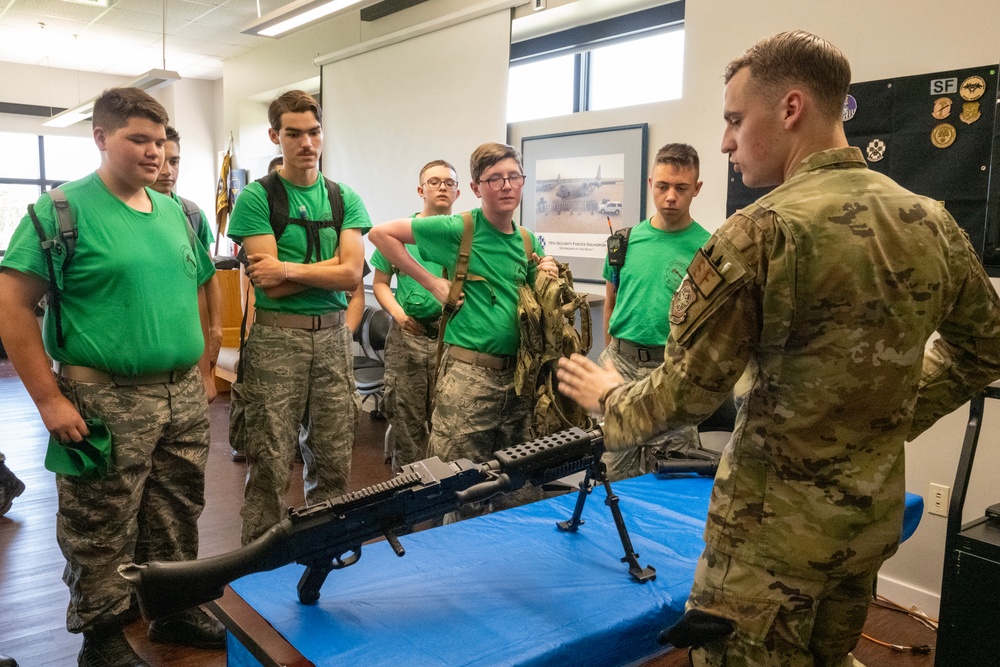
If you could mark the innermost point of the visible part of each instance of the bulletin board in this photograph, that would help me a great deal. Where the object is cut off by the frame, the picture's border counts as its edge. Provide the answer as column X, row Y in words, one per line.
column 935, row 134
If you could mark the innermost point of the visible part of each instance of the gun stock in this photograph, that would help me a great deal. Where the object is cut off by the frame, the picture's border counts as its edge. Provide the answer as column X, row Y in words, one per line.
column 319, row 536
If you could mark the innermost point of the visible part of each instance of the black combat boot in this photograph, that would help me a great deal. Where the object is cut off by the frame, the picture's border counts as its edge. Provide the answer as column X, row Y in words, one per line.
column 108, row 648
column 10, row 487
column 191, row 627
column 6, row 661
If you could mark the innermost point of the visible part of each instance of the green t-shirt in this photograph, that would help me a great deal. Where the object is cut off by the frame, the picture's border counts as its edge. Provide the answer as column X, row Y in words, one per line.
column 251, row 217
column 130, row 293
column 415, row 301
column 204, row 230
column 655, row 264
column 487, row 321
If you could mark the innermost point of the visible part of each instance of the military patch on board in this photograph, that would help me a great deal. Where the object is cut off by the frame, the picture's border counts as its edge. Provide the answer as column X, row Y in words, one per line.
column 972, row 88
column 876, row 150
column 850, row 108
column 942, row 108
column 970, row 112
column 943, row 135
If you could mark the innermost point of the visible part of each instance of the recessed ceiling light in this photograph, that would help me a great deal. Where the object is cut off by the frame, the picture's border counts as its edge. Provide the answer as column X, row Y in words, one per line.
column 92, row 3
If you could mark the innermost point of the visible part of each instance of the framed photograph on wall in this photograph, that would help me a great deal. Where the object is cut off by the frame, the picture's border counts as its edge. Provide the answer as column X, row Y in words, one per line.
column 576, row 185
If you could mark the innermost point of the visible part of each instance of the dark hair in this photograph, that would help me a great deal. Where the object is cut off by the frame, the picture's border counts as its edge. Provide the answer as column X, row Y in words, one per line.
column 116, row 106
column 173, row 135
column 294, row 101
column 275, row 163
column 680, row 156
column 798, row 58
column 436, row 163
column 488, row 154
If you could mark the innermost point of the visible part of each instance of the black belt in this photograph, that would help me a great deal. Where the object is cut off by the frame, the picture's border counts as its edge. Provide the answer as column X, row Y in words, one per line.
column 637, row 352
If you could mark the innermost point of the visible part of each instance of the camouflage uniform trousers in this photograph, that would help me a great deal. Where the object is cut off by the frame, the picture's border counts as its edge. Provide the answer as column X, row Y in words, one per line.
column 286, row 369
column 628, row 463
column 780, row 619
column 147, row 505
column 477, row 412
column 410, row 364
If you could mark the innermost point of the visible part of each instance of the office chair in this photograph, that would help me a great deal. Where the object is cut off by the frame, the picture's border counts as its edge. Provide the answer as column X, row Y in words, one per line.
column 369, row 366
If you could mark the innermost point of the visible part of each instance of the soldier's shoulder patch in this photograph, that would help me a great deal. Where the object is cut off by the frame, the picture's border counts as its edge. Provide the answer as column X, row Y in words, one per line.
column 684, row 297
column 704, row 274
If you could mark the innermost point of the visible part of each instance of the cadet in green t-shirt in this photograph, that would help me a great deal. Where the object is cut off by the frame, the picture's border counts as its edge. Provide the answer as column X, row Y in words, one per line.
column 299, row 348
column 127, row 343
column 476, row 410
column 165, row 184
column 636, row 322
column 411, row 347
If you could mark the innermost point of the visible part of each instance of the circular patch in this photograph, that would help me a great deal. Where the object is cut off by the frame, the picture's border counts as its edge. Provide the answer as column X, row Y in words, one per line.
column 850, row 107
column 876, row 150
column 942, row 108
column 190, row 265
column 943, row 135
column 683, row 298
column 972, row 88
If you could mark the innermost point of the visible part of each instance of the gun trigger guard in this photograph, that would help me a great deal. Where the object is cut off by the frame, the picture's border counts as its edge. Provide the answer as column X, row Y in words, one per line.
column 339, row 562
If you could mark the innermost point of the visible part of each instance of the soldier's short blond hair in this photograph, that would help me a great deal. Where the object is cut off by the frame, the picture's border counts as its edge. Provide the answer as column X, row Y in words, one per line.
column 488, row 154
column 798, row 58
column 679, row 156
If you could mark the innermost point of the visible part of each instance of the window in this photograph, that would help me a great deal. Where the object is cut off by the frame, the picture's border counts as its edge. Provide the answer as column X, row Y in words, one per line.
column 628, row 60
column 30, row 164
column 540, row 89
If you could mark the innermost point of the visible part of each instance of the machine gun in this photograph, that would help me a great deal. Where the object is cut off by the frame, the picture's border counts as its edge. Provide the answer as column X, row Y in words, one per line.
column 328, row 536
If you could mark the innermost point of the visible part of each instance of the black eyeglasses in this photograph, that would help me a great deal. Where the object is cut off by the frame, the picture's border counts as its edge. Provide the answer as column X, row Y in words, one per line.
column 448, row 184
column 496, row 182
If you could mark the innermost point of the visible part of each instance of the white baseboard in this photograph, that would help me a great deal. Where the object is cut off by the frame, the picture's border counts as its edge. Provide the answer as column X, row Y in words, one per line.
column 909, row 596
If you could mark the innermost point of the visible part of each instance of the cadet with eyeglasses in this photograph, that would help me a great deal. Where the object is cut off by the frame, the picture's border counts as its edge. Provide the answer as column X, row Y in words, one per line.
column 411, row 346
column 476, row 410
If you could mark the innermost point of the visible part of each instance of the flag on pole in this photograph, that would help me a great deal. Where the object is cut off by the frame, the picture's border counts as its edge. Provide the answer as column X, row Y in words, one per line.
column 223, row 196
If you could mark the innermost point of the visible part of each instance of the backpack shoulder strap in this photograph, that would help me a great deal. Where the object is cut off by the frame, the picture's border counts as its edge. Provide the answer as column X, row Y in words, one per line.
column 193, row 214
column 277, row 203
column 336, row 204
column 529, row 247
column 67, row 224
column 461, row 273
column 624, row 233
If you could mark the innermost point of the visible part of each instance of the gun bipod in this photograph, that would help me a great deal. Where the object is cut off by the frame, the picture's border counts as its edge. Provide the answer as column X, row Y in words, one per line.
column 639, row 573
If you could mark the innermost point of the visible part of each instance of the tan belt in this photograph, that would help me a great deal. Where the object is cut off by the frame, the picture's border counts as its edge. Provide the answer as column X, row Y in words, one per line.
column 637, row 352
column 94, row 376
column 496, row 362
column 292, row 321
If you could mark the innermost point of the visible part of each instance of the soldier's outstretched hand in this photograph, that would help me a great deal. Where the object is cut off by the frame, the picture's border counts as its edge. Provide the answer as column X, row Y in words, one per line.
column 585, row 382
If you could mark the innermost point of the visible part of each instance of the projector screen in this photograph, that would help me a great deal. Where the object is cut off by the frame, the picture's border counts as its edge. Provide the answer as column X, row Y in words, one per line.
column 389, row 111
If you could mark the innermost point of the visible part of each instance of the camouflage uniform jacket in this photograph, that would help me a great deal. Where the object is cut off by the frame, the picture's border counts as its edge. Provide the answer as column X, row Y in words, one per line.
column 827, row 290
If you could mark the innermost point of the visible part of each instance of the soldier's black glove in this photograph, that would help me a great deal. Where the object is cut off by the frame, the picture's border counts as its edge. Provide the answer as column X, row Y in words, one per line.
column 696, row 628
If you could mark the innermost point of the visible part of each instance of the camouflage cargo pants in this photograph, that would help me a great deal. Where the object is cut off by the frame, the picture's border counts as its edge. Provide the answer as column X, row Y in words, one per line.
column 148, row 504
column 641, row 460
column 780, row 619
column 476, row 412
column 286, row 369
column 410, row 364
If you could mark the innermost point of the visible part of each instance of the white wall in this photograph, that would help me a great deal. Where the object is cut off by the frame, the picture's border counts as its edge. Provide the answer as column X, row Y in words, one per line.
column 190, row 103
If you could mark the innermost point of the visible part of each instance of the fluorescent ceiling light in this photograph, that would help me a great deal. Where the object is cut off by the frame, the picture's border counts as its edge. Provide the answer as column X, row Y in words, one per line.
column 296, row 15
column 152, row 80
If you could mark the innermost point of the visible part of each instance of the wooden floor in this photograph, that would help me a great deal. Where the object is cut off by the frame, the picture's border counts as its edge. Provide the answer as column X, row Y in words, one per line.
column 33, row 598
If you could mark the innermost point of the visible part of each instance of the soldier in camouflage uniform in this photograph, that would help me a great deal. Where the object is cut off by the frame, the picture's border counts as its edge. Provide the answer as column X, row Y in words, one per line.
column 827, row 289
column 637, row 295
column 132, row 339
column 411, row 347
column 476, row 410
column 298, row 352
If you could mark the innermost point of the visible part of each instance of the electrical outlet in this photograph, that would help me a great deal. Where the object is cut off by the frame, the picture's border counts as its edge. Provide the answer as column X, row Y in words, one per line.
column 938, row 499
column 538, row 4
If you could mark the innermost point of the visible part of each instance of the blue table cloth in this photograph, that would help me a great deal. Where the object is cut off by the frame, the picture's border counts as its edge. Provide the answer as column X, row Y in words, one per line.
column 505, row 589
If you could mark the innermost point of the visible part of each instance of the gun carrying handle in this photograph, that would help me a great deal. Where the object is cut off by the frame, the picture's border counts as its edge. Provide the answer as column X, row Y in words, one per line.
column 484, row 490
